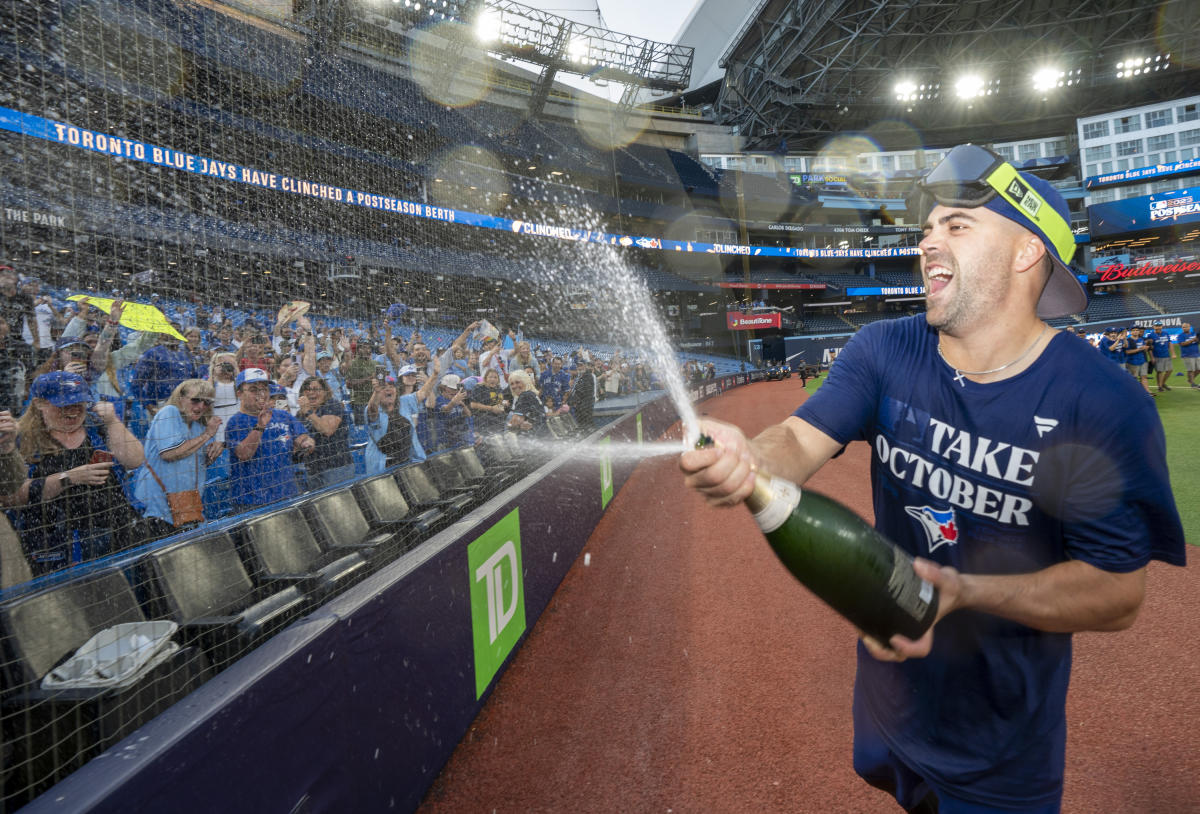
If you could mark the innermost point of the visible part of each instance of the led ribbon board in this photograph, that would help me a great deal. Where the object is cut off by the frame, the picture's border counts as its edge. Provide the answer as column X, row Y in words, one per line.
column 132, row 150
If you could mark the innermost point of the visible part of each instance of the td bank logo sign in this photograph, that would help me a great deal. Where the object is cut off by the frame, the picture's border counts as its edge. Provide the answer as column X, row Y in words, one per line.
column 497, row 597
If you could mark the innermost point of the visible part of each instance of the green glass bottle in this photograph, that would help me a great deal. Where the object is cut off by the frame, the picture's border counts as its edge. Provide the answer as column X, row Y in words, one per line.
column 842, row 559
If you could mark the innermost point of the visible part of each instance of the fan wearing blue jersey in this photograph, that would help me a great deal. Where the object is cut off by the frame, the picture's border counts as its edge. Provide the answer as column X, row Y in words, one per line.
column 982, row 412
column 1189, row 352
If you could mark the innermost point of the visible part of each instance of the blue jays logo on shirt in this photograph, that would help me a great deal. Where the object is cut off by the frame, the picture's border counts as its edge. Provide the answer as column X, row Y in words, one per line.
column 940, row 526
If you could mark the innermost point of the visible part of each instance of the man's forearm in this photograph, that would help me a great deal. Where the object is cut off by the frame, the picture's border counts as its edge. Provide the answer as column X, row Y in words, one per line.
column 782, row 452
column 1068, row 597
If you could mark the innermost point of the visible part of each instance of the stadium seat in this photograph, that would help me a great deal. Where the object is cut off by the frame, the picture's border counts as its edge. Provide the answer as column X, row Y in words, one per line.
column 385, row 507
column 423, row 494
column 499, row 475
column 53, row 732
column 203, row 586
column 558, row 428
column 283, row 550
column 339, row 525
column 494, row 452
column 563, row 426
column 513, row 443
column 446, row 472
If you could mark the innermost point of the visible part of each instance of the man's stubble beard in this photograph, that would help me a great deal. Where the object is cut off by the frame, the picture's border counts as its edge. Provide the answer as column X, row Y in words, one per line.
column 974, row 295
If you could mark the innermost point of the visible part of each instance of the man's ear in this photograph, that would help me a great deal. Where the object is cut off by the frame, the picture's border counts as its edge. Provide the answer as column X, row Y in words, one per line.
column 1030, row 254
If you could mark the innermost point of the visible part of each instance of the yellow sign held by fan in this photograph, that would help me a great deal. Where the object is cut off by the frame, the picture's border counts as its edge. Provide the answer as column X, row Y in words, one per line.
column 134, row 315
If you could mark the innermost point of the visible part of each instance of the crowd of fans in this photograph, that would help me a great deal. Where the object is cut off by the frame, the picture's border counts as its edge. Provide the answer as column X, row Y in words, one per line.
column 130, row 436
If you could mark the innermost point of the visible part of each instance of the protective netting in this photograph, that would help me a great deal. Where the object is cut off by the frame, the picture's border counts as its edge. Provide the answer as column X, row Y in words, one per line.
column 250, row 254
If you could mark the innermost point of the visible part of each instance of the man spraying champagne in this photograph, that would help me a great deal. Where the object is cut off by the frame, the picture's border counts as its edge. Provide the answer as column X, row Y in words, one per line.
column 1032, row 514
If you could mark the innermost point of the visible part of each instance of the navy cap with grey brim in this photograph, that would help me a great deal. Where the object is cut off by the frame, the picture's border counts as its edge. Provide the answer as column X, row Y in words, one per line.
column 1063, row 293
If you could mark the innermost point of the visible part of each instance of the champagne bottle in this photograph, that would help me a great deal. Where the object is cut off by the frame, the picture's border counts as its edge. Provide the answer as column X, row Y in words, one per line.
column 842, row 559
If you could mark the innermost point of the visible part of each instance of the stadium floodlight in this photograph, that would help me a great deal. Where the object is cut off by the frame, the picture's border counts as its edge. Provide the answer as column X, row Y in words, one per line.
column 577, row 50
column 969, row 86
column 487, row 25
column 1136, row 66
column 906, row 90
column 1047, row 78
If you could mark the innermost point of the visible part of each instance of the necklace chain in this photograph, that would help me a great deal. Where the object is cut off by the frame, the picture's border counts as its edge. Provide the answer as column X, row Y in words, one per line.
column 960, row 374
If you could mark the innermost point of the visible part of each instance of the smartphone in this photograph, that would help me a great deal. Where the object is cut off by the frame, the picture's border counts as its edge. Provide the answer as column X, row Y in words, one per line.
column 101, row 456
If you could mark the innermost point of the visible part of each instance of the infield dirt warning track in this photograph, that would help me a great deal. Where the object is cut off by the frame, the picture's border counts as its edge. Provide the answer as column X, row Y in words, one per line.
column 684, row 670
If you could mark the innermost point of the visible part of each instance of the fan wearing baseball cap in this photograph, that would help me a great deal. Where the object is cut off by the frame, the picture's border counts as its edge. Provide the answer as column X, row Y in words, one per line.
column 1032, row 513
column 452, row 413
column 262, row 439
column 78, row 451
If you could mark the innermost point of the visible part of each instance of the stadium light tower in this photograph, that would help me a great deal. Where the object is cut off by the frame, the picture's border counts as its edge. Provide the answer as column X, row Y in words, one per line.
column 578, row 50
column 1047, row 78
column 488, row 25
column 969, row 86
column 1135, row 66
column 906, row 90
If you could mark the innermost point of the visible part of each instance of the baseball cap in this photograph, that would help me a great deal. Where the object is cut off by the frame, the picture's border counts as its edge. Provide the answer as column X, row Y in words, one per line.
column 1157, row 323
column 250, row 374
column 277, row 390
column 68, row 341
column 61, row 388
column 324, row 355
column 407, row 370
column 971, row 176
column 450, row 380
column 1063, row 293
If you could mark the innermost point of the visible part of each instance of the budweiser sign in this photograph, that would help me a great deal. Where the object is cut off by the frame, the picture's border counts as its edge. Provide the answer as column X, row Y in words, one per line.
column 749, row 322
column 1118, row 272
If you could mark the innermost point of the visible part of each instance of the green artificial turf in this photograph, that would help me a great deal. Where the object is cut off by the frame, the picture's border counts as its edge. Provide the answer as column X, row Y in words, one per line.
column 1179, row 410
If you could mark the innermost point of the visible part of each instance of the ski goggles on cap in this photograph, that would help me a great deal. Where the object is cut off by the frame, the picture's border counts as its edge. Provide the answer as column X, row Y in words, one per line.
column 971, row 176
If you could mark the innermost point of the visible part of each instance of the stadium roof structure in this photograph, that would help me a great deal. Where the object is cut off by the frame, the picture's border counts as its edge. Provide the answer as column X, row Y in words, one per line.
column 555, row 44
column 806, row 70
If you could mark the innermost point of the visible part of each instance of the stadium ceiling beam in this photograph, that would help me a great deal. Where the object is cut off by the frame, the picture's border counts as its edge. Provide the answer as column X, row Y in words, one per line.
column 805, row 76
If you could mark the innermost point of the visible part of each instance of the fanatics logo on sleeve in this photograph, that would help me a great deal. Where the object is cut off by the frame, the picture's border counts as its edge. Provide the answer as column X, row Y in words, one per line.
column 1044, row 425
column 940, row 526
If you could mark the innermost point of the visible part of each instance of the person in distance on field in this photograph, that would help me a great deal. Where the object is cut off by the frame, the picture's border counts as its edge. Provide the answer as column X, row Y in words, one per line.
column 983, row 413
column 1136, row 356
column 1158, row 342
column 1107, row 340
column 1189, row 351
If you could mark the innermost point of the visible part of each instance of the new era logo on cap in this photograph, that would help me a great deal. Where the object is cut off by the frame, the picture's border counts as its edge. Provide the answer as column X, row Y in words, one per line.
column 1021, row 193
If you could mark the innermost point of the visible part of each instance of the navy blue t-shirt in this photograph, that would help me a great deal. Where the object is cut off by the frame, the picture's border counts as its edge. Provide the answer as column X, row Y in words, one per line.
column 1008, row 477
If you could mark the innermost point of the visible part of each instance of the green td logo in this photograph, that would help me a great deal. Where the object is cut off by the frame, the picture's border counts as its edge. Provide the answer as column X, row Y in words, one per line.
column 497, row 597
